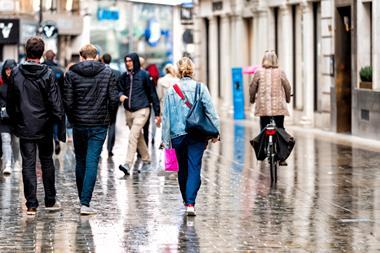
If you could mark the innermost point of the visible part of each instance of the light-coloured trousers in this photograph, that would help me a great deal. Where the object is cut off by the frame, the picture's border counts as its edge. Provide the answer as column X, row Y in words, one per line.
column 7, row 149
column 136, row 121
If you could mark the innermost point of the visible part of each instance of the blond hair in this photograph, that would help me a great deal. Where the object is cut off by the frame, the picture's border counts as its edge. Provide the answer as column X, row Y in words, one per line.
column 88, row 51
column 185, row 67
column 270, row 59
column 169, row 69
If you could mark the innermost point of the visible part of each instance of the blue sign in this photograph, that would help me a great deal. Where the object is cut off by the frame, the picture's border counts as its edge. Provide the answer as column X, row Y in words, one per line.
column 238, row 93
column 153, row 33
column 107, row 14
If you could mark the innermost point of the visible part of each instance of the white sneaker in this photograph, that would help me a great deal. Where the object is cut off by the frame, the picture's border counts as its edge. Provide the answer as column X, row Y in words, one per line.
column 190, row 210
column 86, row 210
column 55, row 207
column 7, row 170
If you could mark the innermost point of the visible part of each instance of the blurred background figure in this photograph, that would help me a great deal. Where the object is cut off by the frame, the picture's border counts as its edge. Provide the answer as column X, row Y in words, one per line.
column 69, row 126
column 49, row 60
column 5, row 128
column 165, row 82
column 106, row 59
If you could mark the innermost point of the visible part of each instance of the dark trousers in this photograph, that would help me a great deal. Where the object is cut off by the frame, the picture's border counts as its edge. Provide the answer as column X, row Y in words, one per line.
column 265, row 120
column 111, row 137
column 28, row 149
column 189, row 151
column 88, row 143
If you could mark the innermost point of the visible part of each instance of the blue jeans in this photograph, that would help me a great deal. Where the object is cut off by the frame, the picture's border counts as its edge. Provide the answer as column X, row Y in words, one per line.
column 189, row 151
column 88, row 143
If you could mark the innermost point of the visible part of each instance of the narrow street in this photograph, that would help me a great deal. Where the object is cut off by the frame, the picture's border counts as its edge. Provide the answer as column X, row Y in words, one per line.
column 326, row 200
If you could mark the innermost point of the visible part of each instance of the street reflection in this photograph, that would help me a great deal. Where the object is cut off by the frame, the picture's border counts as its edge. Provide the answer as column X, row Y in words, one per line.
column 326, row 200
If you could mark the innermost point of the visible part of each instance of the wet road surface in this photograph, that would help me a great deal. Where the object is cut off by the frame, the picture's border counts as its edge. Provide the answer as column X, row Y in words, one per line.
column 326, row 200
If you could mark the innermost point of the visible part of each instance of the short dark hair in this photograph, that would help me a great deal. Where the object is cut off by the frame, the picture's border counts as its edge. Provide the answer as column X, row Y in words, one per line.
column 106, row 58
column 35, row 47
column 49, row 55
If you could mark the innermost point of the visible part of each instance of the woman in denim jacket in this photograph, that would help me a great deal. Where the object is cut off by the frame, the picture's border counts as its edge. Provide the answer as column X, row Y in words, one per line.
column 189, row 149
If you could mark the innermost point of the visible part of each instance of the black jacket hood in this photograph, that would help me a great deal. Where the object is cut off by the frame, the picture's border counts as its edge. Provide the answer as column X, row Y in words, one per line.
column 33, row 70
column 88, row 68
column 136, row 61
column 10, row 63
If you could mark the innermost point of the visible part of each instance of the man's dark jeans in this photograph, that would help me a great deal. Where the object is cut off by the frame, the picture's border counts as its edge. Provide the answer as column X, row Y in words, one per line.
column 88, row 143
column 111, row 137
column 189, row 151
column 28, row 149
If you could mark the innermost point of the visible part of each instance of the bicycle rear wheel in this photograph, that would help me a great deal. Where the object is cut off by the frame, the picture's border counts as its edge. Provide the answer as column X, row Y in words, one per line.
column 273, row 166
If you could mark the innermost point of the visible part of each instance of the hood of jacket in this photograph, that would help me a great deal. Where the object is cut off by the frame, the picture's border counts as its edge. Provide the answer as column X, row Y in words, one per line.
column 136, row 61
column 10, row 63
column 33, row 70
column 88, row 68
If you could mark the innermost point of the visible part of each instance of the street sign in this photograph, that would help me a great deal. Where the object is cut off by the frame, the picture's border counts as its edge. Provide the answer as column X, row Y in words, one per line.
column 107, row 14
column 9, row 31
column 48, row 29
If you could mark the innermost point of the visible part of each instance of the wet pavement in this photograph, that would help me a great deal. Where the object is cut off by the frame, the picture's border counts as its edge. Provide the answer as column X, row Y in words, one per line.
column 326, row 200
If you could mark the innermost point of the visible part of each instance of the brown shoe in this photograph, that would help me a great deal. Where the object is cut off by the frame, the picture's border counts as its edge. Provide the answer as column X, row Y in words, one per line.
column 283, row 163
column 31, row 211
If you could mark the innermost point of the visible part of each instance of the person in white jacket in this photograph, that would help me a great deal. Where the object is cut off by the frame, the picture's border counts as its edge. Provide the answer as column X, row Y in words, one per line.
column 165, row 82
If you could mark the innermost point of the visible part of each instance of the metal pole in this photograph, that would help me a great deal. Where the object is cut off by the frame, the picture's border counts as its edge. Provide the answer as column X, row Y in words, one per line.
column 40, row 16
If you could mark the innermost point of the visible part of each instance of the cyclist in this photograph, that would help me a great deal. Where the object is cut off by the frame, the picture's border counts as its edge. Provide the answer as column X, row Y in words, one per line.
column 270, row 89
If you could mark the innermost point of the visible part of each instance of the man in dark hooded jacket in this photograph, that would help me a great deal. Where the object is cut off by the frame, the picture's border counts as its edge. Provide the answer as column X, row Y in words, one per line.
column 34, row 104
column 90, row 98
column 137, row 93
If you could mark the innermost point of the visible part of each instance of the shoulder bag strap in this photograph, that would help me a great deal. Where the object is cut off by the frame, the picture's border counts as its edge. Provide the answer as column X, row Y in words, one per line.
column 178, row 90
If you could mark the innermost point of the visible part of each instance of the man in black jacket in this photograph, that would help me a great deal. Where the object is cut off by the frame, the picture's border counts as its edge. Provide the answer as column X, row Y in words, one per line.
column 34, row 104
column 137, row 93
column 90, row 98
column 106, row 59
column 59, row 77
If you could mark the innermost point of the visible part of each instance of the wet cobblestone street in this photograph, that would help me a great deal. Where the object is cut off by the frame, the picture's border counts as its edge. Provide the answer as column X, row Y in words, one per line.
column 326, row 200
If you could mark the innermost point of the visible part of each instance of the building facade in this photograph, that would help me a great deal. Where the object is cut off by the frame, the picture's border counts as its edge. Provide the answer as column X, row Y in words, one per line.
column 59, row 21
column 153, row 29
column 321, row 45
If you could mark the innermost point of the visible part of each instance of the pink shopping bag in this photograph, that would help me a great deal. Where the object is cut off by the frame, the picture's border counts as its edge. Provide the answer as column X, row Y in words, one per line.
column 171, row 163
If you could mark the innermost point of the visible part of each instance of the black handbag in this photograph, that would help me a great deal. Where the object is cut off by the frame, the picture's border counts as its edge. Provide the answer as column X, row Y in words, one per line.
column 197, row 121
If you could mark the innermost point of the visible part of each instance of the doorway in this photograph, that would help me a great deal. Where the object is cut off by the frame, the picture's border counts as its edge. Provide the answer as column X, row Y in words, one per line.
column 343, row 69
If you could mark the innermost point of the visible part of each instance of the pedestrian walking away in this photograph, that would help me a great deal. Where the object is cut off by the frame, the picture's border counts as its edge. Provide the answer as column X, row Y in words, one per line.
column 34, row 105
column 137, row 93
column 189, row 148
column 165, row 82
column 270, row 90
column 106, row 59
column 5, row 128
column 90, row 99
column 59, row 77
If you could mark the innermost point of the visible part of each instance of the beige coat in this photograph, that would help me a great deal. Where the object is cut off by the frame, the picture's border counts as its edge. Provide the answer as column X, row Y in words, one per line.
column 163, row 84
column 270, row 89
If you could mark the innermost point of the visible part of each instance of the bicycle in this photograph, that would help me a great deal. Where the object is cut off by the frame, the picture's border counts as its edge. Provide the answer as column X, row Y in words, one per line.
column 271, row 150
